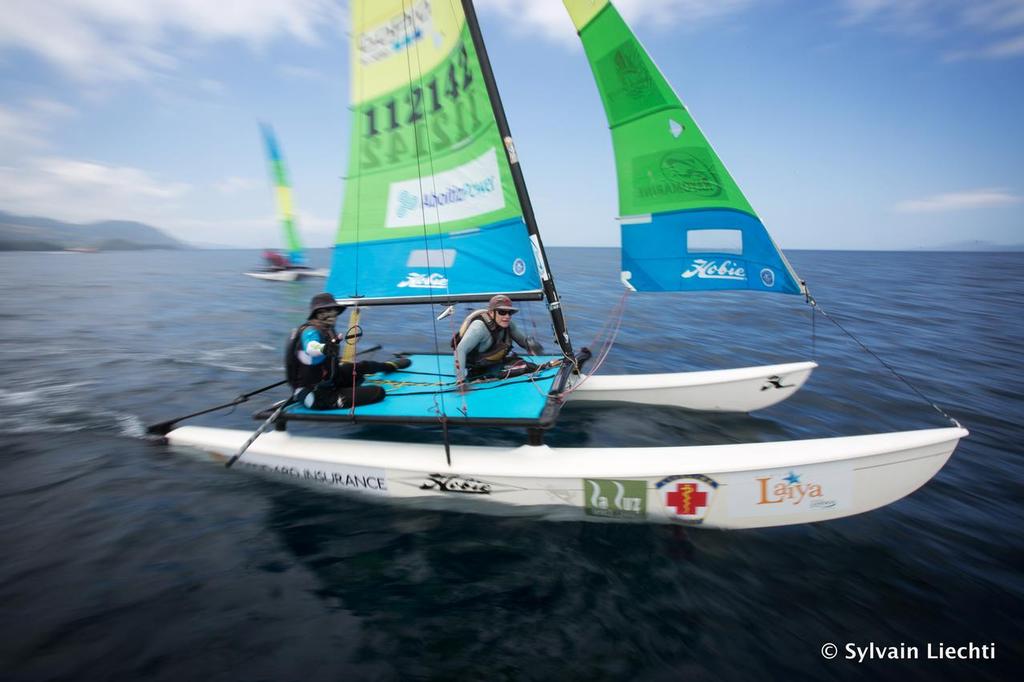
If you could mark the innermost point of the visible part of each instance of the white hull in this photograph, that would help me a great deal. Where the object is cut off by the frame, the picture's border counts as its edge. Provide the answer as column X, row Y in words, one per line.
column 288, row 275
column 743, row 389
column 717, row 486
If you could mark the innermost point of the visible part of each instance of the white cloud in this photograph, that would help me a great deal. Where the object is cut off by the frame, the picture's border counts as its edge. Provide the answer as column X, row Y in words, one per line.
column 102, row 40
column 75, row 190
column 957, row 201
column 985, row 29
column 235, row 184
column 25, row 128
column 549, row 18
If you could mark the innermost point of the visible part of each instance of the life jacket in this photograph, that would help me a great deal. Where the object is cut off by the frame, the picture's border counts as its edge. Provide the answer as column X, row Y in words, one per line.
column 300, row 375
column 501, row 340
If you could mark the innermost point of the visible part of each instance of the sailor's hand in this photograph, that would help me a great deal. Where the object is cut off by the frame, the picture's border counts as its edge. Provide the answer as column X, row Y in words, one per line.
column 331, row 347
column 315, row 347
column 533, row 346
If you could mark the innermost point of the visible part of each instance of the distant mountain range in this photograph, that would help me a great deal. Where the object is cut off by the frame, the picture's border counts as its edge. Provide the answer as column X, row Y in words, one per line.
column 974, row 245
column 29, row 233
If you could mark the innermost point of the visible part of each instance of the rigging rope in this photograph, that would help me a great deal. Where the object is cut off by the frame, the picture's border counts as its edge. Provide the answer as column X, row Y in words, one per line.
column 815, row 306
column 610, row 328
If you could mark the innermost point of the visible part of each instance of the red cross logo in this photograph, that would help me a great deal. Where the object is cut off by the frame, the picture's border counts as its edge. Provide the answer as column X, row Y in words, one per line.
column 686, row 499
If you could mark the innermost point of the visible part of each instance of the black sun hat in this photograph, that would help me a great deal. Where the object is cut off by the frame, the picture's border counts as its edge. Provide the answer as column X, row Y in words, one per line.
column 322, row 302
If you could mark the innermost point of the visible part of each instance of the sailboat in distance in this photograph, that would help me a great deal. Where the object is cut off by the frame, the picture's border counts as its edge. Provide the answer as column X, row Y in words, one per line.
column 436, row 212
column 279, row 267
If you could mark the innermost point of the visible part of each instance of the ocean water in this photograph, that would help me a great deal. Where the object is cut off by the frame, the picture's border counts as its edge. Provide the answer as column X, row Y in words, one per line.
column 124, row 560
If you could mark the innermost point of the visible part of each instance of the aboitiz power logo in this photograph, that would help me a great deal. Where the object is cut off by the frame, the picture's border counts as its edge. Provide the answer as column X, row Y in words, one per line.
column 687, row 498
column 466, row 191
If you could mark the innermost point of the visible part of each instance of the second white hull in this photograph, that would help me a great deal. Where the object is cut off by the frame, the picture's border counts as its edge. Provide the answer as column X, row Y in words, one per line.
column 288, row 275
column 743, row 389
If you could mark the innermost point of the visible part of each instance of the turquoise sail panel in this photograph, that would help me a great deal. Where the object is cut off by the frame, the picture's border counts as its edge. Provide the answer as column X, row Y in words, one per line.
column 703, row 250
column 497, row 257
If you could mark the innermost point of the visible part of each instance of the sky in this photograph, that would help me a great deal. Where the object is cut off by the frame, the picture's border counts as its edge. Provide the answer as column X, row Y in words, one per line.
column 849, row 124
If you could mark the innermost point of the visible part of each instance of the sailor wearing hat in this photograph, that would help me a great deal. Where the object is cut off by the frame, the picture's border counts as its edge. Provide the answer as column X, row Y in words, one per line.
column 312, row 362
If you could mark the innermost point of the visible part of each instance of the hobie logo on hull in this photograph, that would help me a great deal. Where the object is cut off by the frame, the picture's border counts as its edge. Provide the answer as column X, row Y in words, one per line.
column 466, row 191
column 702, row 268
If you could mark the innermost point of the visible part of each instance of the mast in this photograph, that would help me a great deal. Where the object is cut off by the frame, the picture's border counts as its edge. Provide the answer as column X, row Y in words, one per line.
column 547, row 281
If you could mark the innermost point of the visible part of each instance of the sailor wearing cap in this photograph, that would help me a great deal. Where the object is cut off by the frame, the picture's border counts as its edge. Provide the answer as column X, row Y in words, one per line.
column 483, row 343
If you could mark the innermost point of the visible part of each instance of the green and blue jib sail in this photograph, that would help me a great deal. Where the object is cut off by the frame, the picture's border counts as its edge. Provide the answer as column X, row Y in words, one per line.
column 283, row 194
column 430, row 208
column 685, row 224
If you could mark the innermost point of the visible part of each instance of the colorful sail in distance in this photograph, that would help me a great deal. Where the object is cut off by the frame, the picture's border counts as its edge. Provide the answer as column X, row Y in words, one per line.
column 430, row 208
column 686, row 226
column 283, row 193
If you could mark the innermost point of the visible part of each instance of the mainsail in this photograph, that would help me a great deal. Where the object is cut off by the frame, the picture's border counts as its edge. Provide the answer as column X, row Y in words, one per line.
column 430, row 209
column 686, row 226
column 283, row 193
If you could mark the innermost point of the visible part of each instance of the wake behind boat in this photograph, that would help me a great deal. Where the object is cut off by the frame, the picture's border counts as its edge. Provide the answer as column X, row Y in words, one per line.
column 451, row 221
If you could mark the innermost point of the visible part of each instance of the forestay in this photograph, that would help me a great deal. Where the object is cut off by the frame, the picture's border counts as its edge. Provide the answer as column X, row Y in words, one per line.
column 283, row 193
column 430, row 209
column 686, row 226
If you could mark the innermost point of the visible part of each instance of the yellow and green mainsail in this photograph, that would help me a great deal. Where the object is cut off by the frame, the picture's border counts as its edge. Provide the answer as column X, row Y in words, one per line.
column 686, row 226
column 283, row 194
column 430, row 209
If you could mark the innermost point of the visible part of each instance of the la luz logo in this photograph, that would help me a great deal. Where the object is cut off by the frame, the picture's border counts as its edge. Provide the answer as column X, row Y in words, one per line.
column 688, row 498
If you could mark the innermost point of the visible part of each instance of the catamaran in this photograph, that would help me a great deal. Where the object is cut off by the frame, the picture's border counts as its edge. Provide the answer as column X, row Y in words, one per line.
column 436, row 212
column 278, row 267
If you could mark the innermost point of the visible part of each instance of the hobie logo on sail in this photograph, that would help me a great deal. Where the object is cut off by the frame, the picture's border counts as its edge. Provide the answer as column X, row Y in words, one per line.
column 417, row 280
column 702, row 268
column 469, row 190
column 396, row 34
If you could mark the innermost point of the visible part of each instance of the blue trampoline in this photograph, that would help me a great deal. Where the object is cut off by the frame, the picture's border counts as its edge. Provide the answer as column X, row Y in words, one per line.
column 426, row 391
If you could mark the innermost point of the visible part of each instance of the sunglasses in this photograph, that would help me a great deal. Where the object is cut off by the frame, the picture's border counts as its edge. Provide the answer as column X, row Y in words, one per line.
column 501, row 311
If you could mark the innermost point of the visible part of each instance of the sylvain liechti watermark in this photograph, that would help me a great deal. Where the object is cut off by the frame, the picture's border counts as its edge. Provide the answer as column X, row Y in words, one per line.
column 935, row 651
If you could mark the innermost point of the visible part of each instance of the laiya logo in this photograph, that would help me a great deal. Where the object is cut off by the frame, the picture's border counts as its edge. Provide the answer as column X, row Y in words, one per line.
column 417, row 280
column 469, row 190
column 689, row 497
column 711, row 269
column 456, row 484
column 397, row 33
column 615, row 499
column 792, row 490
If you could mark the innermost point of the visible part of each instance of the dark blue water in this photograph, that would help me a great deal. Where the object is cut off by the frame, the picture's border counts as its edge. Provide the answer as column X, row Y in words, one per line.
column 123, row 560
